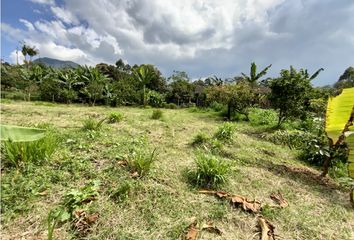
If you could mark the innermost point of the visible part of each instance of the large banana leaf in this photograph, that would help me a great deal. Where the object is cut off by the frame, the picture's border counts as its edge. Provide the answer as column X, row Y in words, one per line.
column 20, row 134
column 338, row 113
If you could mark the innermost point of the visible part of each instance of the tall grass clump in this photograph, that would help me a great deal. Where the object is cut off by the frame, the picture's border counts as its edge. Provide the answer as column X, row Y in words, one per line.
column 36, row 152
column 141, row 160
column 115, row 117
column 199, row 139
column 90, row 124
column 225, row 132
column 211, row 172
column 157, row 114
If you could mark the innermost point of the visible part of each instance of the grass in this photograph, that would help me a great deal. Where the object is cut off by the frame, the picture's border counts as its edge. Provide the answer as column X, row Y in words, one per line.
column 161, row 205
column 157, row 114
column 115, row 117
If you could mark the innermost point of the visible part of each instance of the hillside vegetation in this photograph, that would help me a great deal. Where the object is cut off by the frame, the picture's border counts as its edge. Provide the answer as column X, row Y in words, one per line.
column 129, row 176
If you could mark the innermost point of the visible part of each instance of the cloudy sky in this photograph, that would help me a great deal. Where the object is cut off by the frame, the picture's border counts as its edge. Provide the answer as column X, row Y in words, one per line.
column 201, row 37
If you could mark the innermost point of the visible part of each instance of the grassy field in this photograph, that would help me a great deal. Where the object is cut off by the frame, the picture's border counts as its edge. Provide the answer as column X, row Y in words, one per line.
column 162, row 204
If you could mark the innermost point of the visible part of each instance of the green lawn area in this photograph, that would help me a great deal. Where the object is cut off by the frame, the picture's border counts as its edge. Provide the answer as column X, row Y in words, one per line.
column 162, row 204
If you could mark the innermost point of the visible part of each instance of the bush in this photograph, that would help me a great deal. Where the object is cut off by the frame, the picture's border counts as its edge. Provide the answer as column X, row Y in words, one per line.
column 140, row 160
column 217, row 107
column 211, row 172
column 155, row 99
column 225, row 132
column 200, row 138
column 171, row 106
column 291, row 138
column 36, row 152
column 156, row 114
column 115, row 117
column 90, row 124
column 259, row 116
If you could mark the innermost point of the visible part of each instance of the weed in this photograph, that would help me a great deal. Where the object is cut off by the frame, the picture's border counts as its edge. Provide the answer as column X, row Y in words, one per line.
column 90, row 124
column 157, row 114
column 122, row 192
column 140, row 161
column 19, row 153
column 115, row 117
column 259, row 117
column 171, row 106
column 211, row 172
column 225, row 132
column 200, row 138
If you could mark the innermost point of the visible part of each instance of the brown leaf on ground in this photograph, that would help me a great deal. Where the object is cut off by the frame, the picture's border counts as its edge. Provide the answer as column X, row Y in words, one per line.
column 134, row 175
column 210, row 227
column 192, row 231
column 279, row 199
column 122, row 162
column 82, row 222
column 266, row 228
column 236, row 200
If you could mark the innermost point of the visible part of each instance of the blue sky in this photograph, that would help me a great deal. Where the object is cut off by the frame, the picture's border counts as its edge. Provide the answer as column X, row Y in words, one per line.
column 201, row 37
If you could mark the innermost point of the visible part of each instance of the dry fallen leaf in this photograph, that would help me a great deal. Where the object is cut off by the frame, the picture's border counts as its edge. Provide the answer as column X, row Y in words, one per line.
column 83, row 222
column 134, row 175
column 236, row 200
column 192, row 231
column 279, row 199
column 267, row 229
column 122, row 162
column 210, row 227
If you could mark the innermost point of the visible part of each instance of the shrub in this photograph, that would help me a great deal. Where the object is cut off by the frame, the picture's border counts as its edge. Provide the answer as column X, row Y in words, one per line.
column 211, row 172
column 155, row 99
column 90, row 124
column 171, row 106
column 291, row 138
column 141, row 161
column 156, row 114
column 259, row 116
column 217, row 107
column 200, row 138
column 115, row 117
column 225, row 132
column 18, row 153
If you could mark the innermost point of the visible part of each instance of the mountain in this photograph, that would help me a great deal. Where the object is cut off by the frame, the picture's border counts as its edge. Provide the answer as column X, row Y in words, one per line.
column 55, row 63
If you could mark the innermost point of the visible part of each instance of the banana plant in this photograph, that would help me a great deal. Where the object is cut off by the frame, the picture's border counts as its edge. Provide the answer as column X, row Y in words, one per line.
column 254, row 76
column 339, row 126
column 143, row 74
column 20, row 134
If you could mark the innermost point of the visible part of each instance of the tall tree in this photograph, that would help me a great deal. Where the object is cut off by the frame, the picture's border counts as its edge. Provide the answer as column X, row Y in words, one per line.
column 143, row 74
column 254, row 76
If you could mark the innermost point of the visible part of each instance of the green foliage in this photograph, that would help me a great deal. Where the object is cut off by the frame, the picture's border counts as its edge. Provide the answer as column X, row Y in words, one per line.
column 90, row 124
column 155, row 99
column 36, row 152
column 217, row 107
column 157, row 114
column 122, row 192
column 140, row 160
column 211, row 172
column 254, row 76
column 291, row 93
column 170, row 106
column 200, row 138
column 225, row 132
column 115, row 117
column 260, row 116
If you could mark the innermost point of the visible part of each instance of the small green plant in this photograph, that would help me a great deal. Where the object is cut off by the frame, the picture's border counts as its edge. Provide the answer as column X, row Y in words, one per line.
column 199, row 139
column 122, row 192
column 90, row 124
column 211, row 172
column 56, row 216
column 115, row 117
column 140, row 160
column 36, row 152
column 225, row 132
column 157, row 114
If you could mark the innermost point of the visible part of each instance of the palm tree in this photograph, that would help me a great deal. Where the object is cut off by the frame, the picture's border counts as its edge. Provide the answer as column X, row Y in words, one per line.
column 32, row 51
column 143, row 74
column 254, row 76
column 24, row 51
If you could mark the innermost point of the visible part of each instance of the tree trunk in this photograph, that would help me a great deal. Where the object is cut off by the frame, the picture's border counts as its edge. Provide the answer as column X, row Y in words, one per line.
column 326, row 165
column 144, row 102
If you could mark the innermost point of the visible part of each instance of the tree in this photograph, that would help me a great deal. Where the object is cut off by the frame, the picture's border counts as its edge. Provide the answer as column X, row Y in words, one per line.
column 32, row 51
column 291, row 93
column 254, row 76
column 143, row 74
column 180, row 88
column 238, row 97
column 68, row 80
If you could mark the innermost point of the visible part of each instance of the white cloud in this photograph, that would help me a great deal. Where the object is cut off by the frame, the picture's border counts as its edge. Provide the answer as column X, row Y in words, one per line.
column 46, row 2
column 64, row 15
column 17, row 56
column 27, row 24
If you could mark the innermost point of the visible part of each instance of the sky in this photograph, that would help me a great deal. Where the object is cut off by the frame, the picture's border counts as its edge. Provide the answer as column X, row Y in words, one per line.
column 201, row 37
